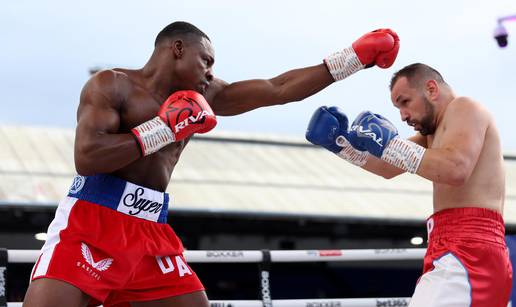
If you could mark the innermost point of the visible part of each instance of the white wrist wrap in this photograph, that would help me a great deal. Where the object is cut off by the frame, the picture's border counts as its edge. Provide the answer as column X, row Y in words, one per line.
column 342, row 64
column 153, row 135
column 349, row 153
column 404, row 154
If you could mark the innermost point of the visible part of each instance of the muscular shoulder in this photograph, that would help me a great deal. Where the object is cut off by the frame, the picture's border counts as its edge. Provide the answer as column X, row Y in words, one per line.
column 465, row 106
column 463, row 103
column 112, row 86
column 466, row 112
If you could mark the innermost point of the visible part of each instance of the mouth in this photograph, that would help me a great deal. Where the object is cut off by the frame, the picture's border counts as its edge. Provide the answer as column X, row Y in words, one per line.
column 203, row 87
column 414, row 125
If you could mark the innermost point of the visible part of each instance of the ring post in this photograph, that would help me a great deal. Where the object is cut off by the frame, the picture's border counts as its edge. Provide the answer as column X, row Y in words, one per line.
column 3, row 275
column 264, row 270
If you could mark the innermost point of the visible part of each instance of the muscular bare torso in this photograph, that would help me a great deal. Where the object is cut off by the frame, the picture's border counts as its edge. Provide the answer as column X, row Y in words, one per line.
column 140, row 105
column 112, row 103
column 486, row 186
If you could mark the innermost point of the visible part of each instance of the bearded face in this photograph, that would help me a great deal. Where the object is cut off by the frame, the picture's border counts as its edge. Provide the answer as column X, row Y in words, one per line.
column 427, row 124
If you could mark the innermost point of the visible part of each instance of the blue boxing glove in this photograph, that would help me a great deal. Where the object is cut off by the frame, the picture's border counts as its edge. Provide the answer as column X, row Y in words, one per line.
column 328, row 128
column 372, row 132
column 325, row 126
column 379, row 137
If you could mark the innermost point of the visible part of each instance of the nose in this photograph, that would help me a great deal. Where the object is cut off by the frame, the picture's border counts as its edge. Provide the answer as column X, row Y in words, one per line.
column 209, row 75
column 404, row 115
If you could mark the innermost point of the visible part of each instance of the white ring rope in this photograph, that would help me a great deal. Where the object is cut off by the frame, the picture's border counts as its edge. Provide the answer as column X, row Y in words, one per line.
column 353, row 302
column 240, row 256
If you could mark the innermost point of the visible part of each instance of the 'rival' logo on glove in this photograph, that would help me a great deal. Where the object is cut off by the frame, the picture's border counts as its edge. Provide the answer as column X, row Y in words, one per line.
column 375, row 127
column 368, row 133
column 184, row 116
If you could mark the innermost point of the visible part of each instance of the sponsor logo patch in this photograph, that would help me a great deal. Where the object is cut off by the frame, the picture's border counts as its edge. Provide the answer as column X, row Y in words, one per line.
column 91, row 266
column 77, row 184
column 139, row 202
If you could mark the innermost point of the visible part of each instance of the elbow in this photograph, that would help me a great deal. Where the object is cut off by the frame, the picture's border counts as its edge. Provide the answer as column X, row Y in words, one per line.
column 83, row 171
column 456, row 180
column 84, row 165
column 282, row 97
column 83, row 168
column 455, row 170
column 283, row 91
column 458, row 177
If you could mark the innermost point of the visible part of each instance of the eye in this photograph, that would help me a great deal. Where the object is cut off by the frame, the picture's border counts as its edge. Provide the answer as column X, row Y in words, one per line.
column 208, row 61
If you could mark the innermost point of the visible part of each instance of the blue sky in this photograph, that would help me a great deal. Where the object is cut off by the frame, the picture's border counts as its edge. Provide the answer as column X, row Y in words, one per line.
column 48, row 46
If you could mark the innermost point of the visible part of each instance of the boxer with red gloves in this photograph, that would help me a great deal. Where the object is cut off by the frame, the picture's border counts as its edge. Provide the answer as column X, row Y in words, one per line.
column 110, row 242
column 457, row 147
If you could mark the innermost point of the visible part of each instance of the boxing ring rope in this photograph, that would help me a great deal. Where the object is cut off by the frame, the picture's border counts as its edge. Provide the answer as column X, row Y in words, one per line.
column 264, row 258
column 252, row 256
column 359, row 302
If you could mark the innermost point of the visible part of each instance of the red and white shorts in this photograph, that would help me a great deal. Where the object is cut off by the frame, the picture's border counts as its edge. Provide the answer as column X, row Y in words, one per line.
column 110, row 239
column 467, row 262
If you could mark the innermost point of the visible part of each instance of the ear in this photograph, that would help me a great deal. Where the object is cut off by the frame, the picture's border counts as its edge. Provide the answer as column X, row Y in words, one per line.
column 432, row 90
column 178, row 48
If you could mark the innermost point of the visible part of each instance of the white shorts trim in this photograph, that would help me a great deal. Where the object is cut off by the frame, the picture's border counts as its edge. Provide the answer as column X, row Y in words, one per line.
column 447, row 285
column 59, row 223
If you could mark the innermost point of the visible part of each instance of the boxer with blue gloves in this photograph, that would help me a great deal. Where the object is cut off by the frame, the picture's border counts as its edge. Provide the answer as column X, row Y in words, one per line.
column 457, row 147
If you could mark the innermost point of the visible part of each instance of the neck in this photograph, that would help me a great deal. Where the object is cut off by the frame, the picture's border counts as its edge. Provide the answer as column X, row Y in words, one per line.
column 445, row 98
column 157, row 78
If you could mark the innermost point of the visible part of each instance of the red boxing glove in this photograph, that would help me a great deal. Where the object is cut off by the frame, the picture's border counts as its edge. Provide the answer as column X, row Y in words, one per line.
column 379, row 47
column 186, row 113
column 181, row 115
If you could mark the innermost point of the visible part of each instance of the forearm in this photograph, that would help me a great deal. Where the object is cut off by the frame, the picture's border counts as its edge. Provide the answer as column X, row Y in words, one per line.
column 295, row 85
column 445, row 166
column 105, row 153
column 368, row 162
column 381, row 168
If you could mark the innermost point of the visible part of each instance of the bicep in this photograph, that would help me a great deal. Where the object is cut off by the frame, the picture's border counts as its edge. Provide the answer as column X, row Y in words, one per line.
column 98, row 112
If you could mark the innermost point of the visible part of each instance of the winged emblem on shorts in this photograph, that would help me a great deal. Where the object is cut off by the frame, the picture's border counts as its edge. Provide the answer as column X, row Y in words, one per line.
column 100, row 265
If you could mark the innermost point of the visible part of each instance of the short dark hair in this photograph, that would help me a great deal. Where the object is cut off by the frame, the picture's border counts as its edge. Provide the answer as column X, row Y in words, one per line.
column 416, row 74
column 179, row 28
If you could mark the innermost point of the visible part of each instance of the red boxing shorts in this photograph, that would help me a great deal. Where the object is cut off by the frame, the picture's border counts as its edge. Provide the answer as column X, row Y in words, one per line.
column 110, row 238
column 467, row 261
